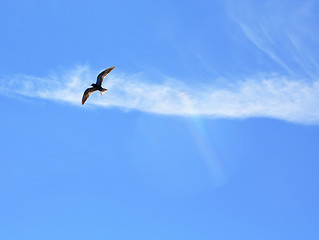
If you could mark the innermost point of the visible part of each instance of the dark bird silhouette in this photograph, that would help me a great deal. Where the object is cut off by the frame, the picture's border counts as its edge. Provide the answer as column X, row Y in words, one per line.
column 96, row 86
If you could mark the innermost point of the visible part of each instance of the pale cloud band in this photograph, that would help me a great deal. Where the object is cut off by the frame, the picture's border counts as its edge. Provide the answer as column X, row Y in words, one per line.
column 260, row 96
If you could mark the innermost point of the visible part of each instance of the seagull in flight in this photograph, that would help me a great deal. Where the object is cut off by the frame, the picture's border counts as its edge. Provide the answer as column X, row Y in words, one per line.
column 96, row 86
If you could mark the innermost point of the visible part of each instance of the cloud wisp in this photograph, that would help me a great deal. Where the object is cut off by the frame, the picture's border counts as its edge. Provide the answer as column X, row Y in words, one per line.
column 283, row 31
column 261, row 96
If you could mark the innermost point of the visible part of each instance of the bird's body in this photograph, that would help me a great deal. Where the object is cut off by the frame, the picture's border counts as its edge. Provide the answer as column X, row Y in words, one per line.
column 96, row 86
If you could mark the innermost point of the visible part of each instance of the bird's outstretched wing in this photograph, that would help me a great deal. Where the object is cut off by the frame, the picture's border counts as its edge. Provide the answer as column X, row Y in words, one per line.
column 87, row 93
column 102, row 75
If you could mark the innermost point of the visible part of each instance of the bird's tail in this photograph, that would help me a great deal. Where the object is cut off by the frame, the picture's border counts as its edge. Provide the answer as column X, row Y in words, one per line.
column 103, row 91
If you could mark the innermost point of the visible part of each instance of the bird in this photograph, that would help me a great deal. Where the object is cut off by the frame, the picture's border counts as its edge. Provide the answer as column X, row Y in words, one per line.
column 96, row 86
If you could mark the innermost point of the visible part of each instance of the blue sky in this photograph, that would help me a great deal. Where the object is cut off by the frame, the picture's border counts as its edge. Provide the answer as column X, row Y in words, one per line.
column 209, row 129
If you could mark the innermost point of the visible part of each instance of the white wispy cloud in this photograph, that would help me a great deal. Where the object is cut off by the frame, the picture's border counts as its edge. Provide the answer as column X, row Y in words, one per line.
column 283, row 30
column 284, row 35
column 259, row 96
column 265, row 43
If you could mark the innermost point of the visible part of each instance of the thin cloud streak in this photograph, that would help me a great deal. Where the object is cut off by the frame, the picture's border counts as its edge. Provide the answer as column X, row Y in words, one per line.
column 261, row 96
column 262, row 45
column 285, row 35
